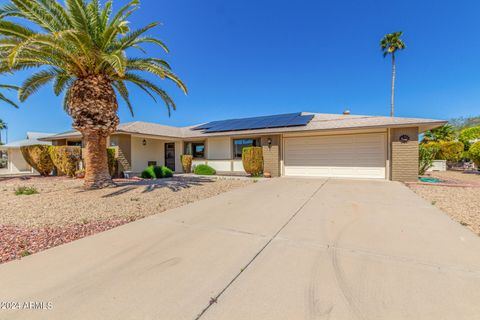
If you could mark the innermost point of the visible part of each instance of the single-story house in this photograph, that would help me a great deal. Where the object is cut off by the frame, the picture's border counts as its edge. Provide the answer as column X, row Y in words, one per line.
column 16, row 164
column 298, row 144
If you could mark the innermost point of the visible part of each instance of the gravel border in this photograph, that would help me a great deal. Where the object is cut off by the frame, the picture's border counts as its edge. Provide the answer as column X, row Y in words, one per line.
column 62, row 211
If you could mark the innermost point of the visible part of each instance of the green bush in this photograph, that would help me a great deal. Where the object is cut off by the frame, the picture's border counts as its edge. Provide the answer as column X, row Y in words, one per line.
column 65, row 159
column 156, row 172
column 25, row 191
column 450, row 151
column 186, row 161
column 38, row 157
column 474, row 153
column 252, row 159
column 148, row 173
column 112, row 161
column 162, row 172
column 469, row 134
column 204, row 170
column 426, row 156
column 166, row 172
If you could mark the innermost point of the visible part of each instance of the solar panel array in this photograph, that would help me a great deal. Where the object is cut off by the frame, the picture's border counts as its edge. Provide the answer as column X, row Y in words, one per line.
column 276, row 121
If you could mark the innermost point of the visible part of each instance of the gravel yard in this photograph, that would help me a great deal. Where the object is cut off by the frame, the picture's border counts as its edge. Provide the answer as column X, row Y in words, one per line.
column 62, row 211
column 460, row 203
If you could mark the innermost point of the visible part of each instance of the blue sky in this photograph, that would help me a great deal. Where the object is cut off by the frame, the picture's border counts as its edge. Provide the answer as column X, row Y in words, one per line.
column 248, row 58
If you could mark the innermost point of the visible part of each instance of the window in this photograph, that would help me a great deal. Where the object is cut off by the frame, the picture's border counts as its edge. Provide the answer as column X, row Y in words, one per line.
column 74, row 143
column 239, row 144
column 196, row 149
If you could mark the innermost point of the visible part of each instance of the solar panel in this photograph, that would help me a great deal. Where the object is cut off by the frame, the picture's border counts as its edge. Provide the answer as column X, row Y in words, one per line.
column 264, row 122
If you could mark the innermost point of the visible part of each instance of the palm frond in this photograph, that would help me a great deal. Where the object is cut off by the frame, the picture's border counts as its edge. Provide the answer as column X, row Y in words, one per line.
column 4, row 98
column 36, row 81
column 79, row 39
column 123, row 91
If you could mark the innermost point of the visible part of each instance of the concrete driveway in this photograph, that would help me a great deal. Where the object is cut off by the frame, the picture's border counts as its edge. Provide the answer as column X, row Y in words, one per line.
column 282, row 249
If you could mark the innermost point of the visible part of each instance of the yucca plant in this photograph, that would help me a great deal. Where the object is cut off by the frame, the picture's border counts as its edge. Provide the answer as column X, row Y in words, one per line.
column 81, row 46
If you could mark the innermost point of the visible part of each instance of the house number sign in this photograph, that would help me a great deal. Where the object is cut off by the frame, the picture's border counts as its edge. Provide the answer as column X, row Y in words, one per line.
column 404, row 138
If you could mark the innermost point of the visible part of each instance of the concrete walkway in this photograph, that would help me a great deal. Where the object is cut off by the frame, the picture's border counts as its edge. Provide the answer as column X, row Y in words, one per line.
column 281, row 249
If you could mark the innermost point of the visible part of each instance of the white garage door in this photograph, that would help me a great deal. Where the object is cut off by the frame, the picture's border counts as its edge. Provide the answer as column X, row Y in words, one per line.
column 349, row 156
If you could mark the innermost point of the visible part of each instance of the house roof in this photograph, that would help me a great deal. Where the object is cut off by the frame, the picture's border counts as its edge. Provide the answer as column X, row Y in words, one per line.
column 32, row 139
column 319, row 122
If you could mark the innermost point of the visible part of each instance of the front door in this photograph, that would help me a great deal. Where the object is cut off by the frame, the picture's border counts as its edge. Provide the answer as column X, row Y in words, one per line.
column 170, row 156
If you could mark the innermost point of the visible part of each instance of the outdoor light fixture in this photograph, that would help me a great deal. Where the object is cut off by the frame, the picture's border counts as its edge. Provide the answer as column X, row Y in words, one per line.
column 269, row 141
column 144, row 142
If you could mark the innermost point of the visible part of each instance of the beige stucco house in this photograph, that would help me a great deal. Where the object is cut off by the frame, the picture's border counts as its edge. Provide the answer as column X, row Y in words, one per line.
column 303, row 144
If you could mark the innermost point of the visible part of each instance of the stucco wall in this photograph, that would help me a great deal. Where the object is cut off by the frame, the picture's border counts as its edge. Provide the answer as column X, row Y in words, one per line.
column 178, row 153
column 16, row 162
column 271, row 155
column 219, row 148
column 140, row 154
column 404, row 156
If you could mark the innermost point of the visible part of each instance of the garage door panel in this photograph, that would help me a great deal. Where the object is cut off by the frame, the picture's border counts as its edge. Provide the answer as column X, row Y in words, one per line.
column 361, row 155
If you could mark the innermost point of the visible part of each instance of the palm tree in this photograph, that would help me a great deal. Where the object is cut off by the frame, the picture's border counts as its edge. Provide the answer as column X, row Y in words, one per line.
column 390, row 43
column 3, row 126
column 443, row 133
column 82, row 47
column 4, row 98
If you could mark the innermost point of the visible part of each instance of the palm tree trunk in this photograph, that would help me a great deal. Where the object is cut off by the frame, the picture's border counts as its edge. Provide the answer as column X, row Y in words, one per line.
column 93, row 106
column 392, row 101
column 95, row 157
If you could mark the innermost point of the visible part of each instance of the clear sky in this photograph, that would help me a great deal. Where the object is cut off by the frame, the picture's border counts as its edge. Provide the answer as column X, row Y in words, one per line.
column 257, row 57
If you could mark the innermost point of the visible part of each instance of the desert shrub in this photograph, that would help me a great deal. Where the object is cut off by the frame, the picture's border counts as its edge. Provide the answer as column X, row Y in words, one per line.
column 148, row 173
column 474, row 153
column 450, row 151
column 66, row 158
column 469, row 134
column 38, row 157
column 3, row 163
column 166, row 172
column 25, row 191
column 156, row 172
column 162, row 172
column 112, row 161
column 204, row 170
column 186, row 161
column 426, row 157
column 252, row 159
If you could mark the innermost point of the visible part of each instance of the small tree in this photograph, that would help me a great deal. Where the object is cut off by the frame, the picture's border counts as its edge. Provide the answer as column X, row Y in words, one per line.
column 186, row 161
column 443, row 133
column 474, row 153
column 469, row 134
column 450, row 151
column 112, row 161
column 38, row 157
column 252, row 159
column 426, row 156
column 65, row 159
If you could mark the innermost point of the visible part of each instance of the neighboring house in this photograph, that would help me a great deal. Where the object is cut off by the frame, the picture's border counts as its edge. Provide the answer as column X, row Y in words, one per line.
column 300, row 144
column 15, row 161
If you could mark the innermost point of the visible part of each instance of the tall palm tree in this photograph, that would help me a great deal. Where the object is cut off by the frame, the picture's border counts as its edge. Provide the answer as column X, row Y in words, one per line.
column 4, row 98
column 3, row 126
column 82, row 47
column 389, row 44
